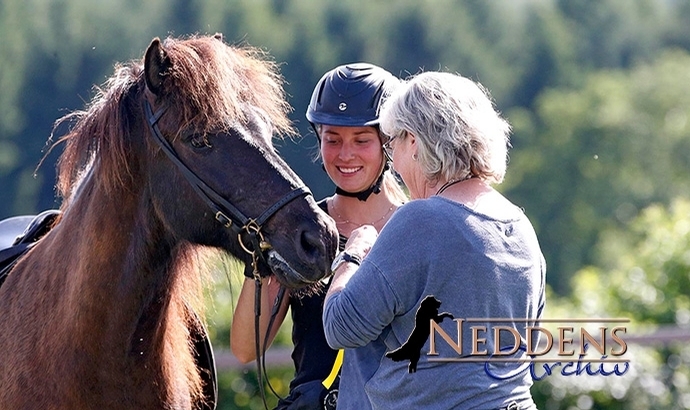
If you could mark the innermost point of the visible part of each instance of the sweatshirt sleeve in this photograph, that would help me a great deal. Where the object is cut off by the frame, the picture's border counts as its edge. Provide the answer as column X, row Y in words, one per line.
column 386, row 285
column 358, row 314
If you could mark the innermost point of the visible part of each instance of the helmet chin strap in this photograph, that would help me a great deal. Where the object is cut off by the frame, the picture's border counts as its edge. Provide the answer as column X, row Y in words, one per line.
column 374, row 189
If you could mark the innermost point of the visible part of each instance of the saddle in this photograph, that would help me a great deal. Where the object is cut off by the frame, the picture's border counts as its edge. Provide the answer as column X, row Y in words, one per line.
column 26, row 231
column 20, row 233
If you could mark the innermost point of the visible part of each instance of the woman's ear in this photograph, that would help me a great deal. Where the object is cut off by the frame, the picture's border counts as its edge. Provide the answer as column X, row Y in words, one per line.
column 413, row 144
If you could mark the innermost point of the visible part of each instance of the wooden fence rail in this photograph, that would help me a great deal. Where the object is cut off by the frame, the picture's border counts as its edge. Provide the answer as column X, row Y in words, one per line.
column 280, row 356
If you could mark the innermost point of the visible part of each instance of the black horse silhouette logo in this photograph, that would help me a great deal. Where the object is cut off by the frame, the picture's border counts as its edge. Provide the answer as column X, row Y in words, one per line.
column 411, row 349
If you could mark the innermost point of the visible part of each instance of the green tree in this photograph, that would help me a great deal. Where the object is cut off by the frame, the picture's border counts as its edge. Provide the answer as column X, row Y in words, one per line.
column 51, row 56
column 618, row 33
column 591, row 158
column 54, row 52
column 642, row 273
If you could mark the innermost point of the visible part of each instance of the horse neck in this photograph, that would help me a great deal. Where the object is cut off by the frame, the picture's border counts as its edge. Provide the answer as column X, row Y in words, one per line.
column 120, row 291
column 101, row 302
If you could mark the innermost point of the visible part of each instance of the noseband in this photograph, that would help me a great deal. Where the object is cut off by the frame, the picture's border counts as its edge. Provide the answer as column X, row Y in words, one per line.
column 225, row 212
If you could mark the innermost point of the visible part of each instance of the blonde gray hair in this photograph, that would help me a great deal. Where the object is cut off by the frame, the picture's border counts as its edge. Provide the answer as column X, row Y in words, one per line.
column 459, row 132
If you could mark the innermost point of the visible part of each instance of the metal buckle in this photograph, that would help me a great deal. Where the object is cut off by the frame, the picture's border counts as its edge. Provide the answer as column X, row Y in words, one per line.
column 222, row 218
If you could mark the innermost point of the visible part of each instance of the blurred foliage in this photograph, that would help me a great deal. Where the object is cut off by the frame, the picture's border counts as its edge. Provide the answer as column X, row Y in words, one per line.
column 643, row 273
column 549, row 65
column 645, row 268
column 612, row 146
column 597, row 92
column 238, row 389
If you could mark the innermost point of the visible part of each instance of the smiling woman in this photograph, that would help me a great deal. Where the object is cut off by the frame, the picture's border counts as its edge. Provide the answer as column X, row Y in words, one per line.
column 344, row 114
column 351, row 156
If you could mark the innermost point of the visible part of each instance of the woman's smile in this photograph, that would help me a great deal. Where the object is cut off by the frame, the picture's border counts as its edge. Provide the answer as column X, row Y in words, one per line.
column 349, row 170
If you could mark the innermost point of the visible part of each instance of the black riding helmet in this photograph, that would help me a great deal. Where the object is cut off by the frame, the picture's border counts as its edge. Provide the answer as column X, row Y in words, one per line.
column 350, row 95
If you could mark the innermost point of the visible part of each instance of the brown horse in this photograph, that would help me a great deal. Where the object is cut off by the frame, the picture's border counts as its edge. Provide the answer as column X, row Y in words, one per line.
column 165, row 162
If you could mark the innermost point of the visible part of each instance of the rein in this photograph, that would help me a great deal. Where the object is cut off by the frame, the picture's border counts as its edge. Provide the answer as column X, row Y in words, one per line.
column 232, row 218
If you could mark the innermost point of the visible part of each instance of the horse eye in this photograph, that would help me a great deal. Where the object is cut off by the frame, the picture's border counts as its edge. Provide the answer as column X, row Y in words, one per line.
column 199, row 141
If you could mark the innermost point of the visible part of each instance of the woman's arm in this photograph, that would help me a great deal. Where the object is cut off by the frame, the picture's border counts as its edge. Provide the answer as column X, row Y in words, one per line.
column 242, row 332
column 359, row 303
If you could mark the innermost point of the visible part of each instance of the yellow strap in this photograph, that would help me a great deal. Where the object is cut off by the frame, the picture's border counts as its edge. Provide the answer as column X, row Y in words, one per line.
column 334, row 371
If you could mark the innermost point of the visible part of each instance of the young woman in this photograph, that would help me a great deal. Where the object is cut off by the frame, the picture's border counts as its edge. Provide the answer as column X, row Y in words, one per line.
column 344, row 114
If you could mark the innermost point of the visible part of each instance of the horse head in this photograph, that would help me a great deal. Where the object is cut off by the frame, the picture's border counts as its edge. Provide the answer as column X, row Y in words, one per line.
column 215, row 177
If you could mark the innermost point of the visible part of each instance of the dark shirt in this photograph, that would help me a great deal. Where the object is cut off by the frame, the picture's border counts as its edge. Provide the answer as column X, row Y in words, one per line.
column 312, row 356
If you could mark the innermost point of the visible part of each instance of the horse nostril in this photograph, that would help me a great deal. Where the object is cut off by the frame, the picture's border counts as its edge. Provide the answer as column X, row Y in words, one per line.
column 312, row 245
column 316, row 244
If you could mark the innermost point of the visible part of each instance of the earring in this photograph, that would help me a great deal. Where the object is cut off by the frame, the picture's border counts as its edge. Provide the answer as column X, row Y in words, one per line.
column 414, row 157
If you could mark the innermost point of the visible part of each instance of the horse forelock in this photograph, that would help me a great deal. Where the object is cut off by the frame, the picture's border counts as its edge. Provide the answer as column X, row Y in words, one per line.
column 210, row 83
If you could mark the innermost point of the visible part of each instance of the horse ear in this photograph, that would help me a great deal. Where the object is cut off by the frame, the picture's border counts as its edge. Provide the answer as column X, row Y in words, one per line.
column 156, row 65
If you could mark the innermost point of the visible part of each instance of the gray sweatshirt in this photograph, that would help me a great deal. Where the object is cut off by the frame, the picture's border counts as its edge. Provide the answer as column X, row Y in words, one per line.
column 478, row 267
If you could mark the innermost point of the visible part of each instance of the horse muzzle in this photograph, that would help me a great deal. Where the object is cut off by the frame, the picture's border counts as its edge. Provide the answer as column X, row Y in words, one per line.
column 286, row 274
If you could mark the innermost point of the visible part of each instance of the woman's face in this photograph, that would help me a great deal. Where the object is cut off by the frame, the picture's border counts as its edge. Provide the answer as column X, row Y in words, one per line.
column 352, row 156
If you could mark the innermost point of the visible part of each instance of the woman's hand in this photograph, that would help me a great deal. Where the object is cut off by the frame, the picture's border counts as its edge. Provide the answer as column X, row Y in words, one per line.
column 361, row 240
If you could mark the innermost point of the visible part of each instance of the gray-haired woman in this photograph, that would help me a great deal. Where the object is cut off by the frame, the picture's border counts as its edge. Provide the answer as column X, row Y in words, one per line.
column 459, row 242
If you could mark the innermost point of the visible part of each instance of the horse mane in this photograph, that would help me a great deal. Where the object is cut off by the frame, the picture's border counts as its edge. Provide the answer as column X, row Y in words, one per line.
column 208, row 85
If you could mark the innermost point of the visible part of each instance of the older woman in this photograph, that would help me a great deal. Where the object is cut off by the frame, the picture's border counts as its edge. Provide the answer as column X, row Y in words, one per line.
column 459, row 244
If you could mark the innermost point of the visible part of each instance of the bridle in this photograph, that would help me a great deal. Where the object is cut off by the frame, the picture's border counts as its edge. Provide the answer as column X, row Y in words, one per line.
column 232, row 218
column 225, row 212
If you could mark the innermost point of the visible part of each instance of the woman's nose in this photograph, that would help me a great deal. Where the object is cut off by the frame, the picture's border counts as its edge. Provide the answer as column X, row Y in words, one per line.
column 346, row 151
